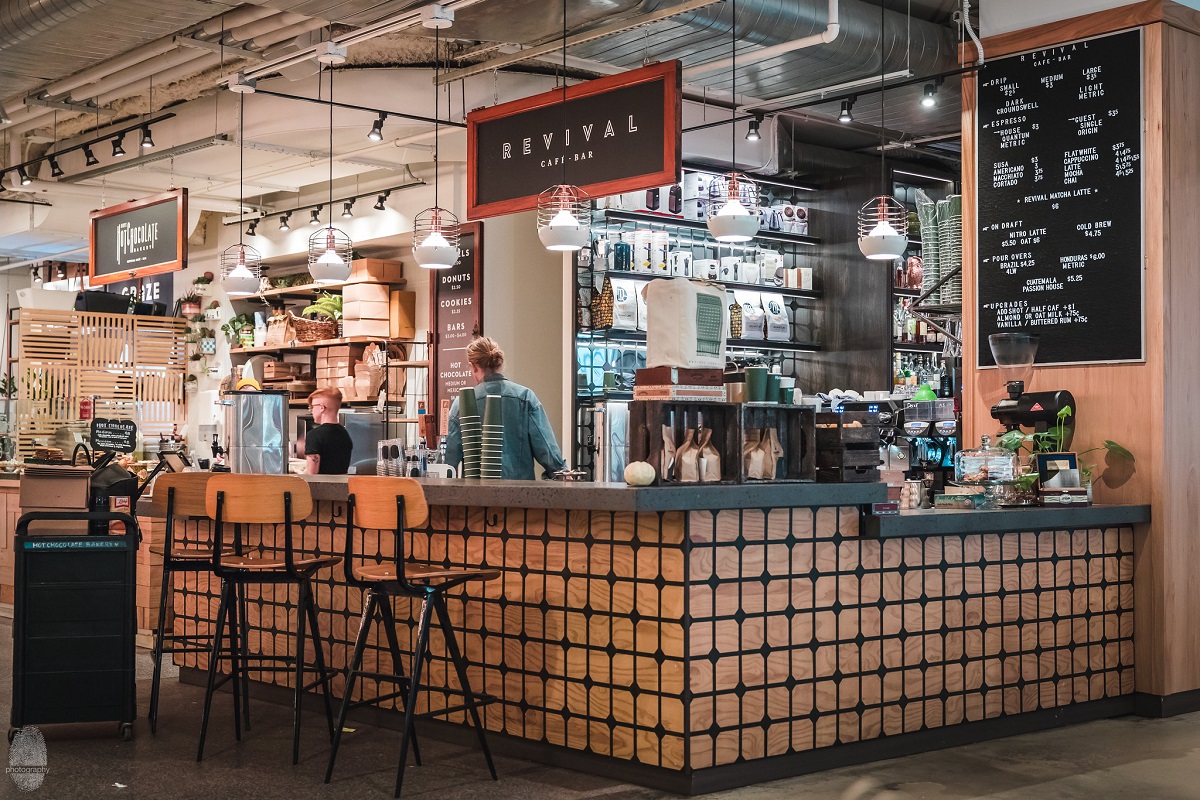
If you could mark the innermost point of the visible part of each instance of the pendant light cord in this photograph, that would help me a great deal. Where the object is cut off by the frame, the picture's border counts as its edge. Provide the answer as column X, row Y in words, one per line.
column 241, row 162
column 330, row 205
column 437, row 74
column 733, row 81
column 883, row 186
column 563, row 105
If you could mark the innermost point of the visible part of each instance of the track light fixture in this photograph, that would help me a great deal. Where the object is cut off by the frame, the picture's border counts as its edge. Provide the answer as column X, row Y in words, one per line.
column 37, row 276
column 91, row 157
column 753, row 134
column 846, row 117
column 118, row 149
column 61, row 272
column 379, row 203
column 147, row 139
column 252, row 228
column 283, row 222
column 23, row 176
column 929, row 96
column 376, row 134
column 316, row 216
column 55, row 170
column 348, row 209
column 2, row 186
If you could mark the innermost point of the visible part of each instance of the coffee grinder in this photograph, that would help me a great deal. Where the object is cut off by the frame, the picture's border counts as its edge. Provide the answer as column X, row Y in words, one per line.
column 1014, row 354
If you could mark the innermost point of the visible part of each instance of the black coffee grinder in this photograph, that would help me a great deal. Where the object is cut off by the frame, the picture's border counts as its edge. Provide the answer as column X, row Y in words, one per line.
column 1014, row 354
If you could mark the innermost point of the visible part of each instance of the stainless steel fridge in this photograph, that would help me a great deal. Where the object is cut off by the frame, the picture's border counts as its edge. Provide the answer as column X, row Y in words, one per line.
column 612, row 440
column 256, row 431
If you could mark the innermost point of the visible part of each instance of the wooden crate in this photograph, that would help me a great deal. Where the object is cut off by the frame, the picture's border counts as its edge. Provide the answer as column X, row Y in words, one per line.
column 848, row 452
column 796, row 427
column 648, row 417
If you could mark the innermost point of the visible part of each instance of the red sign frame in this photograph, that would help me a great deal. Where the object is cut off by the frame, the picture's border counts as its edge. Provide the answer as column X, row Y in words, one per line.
column 670, row 72
column 179, row 197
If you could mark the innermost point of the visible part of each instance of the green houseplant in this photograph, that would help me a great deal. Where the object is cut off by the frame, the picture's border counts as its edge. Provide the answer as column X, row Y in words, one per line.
column 233, row 328
column 1054, row 441
column 328, row 306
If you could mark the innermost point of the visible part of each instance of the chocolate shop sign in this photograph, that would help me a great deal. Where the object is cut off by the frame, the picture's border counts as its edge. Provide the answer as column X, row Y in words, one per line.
column 139, row 238
column 612, row 135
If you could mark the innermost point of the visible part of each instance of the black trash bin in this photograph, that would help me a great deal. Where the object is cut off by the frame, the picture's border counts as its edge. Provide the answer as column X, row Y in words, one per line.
column 74, row 623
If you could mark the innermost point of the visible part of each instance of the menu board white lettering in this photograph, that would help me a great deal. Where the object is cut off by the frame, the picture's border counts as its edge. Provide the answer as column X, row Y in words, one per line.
column 457, row 318
column 1060, row 200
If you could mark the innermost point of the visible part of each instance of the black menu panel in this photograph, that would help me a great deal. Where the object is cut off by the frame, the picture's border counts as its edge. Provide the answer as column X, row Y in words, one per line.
column 1060, row 200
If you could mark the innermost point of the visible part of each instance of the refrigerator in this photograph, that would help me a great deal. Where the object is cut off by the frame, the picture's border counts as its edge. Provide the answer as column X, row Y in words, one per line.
column 256, row 431
column 612, row 440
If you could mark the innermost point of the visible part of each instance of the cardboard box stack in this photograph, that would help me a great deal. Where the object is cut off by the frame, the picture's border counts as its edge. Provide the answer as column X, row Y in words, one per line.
column 56, row 488
column 366, row 309
column 336, row 368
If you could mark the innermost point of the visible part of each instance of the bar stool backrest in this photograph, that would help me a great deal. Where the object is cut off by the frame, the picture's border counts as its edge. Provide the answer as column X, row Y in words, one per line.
column 179, row 494
column 258, row 499
column 375, row 502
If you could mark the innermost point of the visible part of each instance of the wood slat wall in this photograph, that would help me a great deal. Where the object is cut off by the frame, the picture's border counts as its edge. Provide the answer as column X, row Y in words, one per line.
column 134, row 366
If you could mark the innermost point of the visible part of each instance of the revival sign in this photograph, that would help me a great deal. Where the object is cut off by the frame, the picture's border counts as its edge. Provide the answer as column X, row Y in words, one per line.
column 611, row 135
column 139, row 238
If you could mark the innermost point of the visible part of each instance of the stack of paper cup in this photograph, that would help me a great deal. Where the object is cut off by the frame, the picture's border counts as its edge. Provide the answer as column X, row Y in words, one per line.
column 491, row 463
column 470, row 425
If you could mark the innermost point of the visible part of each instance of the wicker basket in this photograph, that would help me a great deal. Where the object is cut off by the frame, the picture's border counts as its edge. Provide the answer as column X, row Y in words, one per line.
column 313, row 330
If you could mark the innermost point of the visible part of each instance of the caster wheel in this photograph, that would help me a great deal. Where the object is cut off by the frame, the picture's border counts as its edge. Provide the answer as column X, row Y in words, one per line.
column 126, row 729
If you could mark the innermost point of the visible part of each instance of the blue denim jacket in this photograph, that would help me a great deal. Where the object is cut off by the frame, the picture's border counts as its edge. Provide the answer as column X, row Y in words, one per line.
column 527, row 433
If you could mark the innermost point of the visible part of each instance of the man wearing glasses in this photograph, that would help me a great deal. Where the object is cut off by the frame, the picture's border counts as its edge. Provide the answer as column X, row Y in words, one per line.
column 327, row 446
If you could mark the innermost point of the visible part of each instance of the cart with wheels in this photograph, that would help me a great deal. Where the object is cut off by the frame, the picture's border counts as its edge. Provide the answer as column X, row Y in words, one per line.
column 74, row 622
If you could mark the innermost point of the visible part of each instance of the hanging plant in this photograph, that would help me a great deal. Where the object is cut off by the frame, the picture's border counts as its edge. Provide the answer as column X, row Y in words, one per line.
column 327, row 305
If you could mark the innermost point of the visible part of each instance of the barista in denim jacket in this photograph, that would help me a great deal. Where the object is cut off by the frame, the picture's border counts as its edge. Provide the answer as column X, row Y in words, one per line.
column 527, row 433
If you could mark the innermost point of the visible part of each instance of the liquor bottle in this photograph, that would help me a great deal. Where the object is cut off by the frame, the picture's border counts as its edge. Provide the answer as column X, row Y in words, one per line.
column 897, row 374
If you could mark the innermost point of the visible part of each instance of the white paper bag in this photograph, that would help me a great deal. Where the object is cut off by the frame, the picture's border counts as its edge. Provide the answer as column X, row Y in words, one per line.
column 685, row 324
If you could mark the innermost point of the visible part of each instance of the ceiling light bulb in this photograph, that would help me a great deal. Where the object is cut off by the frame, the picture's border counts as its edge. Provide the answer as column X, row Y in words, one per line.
column 252, row 228
column 753, row 134
column 376, row 134
column 283, row 223
column 929, row 99
column 118, row 150
column 733, row 207
column 55, row 170
column 91, row 157
column 348, row 209
column 435, row 239
column 883, row 228
column 564, row 218
column 846, row 117
column 331, row 258
column 316, row 217
column 147, row 139
column 24, row 176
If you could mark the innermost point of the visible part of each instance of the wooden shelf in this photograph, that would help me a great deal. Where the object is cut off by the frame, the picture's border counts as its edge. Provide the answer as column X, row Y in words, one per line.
column 902, row 292
column 913, row 347
column 741, row 344
column 758, row 287
column 299, row 347
column 350, row 403
column 307, row 290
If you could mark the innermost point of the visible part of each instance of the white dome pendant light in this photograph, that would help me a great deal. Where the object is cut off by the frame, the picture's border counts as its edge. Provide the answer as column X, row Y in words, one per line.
column 733, row 209
column 562, row 215
column 241, row 264
column 882, row 221
column 436, row 230
column 329, row 249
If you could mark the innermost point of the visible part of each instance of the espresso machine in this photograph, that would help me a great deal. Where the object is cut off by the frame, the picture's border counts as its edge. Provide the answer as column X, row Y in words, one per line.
column 1014, row 354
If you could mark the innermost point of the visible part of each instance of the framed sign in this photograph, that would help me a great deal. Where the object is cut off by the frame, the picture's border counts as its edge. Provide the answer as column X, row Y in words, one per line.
column 139, row 238
column 455, row 318
column 1060, row 201
column 612, row 135
column 114, row 435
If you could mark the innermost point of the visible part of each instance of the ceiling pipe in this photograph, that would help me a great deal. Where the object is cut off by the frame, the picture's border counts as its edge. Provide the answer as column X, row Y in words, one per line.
column 832, row 29
column 109, row 192
column 140, row 72
column 167, row 77
column 244, row 33
column 21, row 21
column 265, row 40
column 232, row 19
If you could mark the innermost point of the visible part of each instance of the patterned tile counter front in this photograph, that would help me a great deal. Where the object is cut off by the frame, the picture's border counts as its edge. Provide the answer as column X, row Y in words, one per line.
column 699, row 649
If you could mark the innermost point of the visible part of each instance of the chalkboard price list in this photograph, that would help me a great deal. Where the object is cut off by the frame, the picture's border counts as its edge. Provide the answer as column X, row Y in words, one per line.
column 1060, row 200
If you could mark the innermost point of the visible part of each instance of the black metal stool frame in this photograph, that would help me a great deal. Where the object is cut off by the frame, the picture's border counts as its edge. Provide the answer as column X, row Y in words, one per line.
column 433, row 604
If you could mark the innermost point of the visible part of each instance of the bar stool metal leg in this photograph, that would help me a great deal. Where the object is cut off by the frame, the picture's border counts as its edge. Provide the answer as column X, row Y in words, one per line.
column 389, row 626
column 237, row 645
column 298, row 700
column 319, row 653
column 460, row 666
column 157, row 652
column 214, row 659
column 411, row 703
column 360, row 645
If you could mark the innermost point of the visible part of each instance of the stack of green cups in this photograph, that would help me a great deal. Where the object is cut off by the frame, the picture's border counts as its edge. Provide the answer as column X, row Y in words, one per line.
column 492, row 460
column 471, row 427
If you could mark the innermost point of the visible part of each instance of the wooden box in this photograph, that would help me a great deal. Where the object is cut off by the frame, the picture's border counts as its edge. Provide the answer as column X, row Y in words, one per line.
column 375, row 270
column 796, row 428
column 403, row 314
column 848, row 447
column 365, row 309
column 380, row 328
column 282, row 370
column 647, row 419
column 366, row 293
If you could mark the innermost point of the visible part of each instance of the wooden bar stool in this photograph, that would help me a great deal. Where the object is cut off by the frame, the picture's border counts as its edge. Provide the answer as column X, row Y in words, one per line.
column 377, row 503
column 263, row 500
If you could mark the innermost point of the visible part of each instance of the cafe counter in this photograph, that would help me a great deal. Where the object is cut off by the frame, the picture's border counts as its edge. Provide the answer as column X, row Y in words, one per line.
column 699, row 638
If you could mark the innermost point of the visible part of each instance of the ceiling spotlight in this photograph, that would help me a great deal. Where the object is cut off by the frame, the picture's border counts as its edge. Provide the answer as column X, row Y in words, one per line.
column 37, row 276
column 753, row 135
column 147, row 139
column 61, row 273
column 118, row 150
column 348, row 209
column 2, row 186
column 929, row 96
column 316, row 216
column 379, row 204
column 23, row 176
column 55, row 170
column 252, row 228
column 283, row 223
column 376, row 134
column 91, row 157
column 846, row 117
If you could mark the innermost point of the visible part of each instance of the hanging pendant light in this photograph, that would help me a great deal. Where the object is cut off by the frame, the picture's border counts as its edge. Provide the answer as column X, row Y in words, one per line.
column 435, row 230
column 882, row 221
column 733, row 207
column 329, row 249
column 241, row 264
column 562, row 210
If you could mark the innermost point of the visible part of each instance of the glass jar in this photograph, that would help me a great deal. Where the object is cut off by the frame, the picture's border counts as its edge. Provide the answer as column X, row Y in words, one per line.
column 988, row 466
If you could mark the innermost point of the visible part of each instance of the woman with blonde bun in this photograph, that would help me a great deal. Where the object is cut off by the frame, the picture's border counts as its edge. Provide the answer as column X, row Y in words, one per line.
column 527, row 433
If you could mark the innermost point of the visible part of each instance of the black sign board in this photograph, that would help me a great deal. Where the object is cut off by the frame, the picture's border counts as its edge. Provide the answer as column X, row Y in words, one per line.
column 139, row 238
column 114, row 435
column 155, row 289
column 612, row 135
column 456, row 318
column 1060, row 200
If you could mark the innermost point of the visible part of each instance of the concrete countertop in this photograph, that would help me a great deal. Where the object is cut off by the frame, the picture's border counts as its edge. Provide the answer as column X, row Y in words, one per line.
column 943, row 521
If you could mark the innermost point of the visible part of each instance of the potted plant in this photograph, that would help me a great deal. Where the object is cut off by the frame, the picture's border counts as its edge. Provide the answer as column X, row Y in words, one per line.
column 213, row 312
column 202, row 285
column 208, row 341
column 328, row 306
column 190, row 384
column 189, row 304
column 233, row 330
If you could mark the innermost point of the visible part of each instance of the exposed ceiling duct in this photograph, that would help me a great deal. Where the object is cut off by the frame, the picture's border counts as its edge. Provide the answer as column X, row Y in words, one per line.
column 21, row 20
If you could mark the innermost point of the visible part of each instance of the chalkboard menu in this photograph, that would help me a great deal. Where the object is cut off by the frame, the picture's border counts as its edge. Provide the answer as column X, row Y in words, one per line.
column 1060, row 200
column 114, row 435
column 139, row 238
column 456, row 319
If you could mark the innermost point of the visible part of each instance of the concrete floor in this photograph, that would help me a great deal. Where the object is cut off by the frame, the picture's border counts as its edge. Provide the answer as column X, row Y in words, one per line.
column 1120, row 758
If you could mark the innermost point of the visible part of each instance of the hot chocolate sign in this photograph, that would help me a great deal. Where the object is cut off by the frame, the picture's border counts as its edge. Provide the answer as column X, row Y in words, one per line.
column 139, row 238
column 611, row 135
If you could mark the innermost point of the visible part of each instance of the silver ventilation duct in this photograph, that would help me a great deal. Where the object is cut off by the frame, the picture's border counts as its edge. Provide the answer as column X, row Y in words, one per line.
column 23, row 19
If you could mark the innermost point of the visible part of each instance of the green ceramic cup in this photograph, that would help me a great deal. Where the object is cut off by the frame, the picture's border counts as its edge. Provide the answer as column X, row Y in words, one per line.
column 756, row 384
column 773, row 388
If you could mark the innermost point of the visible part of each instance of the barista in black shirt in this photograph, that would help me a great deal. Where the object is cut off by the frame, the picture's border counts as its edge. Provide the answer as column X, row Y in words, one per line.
column 327, row 446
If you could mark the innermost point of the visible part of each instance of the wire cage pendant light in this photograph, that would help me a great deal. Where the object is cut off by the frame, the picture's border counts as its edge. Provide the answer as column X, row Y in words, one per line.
column 882, row 221
column 563, row 210
column 241, row 270
column 330, row 250
column 435, row 230
column 733, row 204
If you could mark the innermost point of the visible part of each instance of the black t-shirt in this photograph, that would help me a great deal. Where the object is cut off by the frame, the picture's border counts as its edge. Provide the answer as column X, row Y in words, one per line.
column 331, row 442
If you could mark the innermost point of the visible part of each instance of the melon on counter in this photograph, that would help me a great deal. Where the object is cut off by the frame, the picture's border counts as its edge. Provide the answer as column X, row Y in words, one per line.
column 639, row 473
